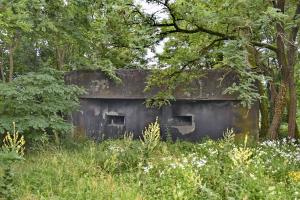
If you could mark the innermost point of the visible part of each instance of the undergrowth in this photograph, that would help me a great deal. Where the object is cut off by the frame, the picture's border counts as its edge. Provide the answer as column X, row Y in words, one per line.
column 137, row 169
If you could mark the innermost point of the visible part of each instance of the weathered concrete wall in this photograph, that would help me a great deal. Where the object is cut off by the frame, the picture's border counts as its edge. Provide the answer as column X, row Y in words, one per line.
column 109, row 109
column 97, row 117
column 207, row 118
column 133, row 83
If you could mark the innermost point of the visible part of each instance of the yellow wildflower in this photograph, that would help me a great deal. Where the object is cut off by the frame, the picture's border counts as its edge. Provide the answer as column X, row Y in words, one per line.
column 14, row 142
column 241, row 156
column 295, row 175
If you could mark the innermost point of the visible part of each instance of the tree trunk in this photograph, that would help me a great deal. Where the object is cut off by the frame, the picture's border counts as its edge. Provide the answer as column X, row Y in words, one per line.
column 273, row 94
column 292, row 106
column 292, row 55
column 254, row 61
column 11, row 63
column 1, row 66
column 264, row 111
column 2, row 73
column 278, row 111
column 60, row 57
column 297, row 133
column 284, row 65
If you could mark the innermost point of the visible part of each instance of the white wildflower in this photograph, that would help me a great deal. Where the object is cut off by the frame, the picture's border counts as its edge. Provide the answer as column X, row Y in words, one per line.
column 173, row 165
column 252, row 176
column 147, row 168
column 161, row 173
column 200, row 163
column 284, row 140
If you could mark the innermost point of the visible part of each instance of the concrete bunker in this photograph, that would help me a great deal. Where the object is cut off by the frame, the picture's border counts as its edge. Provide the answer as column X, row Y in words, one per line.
column 110, row 109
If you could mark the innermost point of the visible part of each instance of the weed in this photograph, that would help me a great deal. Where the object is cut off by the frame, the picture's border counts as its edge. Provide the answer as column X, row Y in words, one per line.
column 151, row 137
column 118, row 169
column 11, row 151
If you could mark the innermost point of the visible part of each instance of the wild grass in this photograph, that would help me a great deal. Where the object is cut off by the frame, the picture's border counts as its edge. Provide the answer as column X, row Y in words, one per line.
column 78, row 172
column 152, row 169
column 118, row 170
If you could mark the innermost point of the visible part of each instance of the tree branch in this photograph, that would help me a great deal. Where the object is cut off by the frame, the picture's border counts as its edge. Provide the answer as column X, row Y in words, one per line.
column 264, row 45
column 198, row 29
column 223, row 37
column 294, row 32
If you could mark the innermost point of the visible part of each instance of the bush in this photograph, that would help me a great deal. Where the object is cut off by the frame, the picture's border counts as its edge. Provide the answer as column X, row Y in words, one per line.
column 38, row 102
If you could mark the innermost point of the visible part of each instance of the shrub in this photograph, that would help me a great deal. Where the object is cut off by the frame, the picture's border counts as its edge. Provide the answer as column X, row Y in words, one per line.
column 38, row 102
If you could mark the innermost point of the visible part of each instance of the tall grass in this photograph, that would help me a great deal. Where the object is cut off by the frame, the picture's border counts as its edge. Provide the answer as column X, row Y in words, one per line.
column 72, row 173
column 118, row 170
column 152, row 169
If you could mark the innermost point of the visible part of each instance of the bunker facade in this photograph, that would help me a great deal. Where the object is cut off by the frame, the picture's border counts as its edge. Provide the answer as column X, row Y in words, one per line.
column 109, row 109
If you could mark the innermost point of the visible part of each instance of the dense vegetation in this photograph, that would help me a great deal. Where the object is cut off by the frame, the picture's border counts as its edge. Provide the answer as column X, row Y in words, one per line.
column 40, row 40
column 257, row 40
column 127, row 169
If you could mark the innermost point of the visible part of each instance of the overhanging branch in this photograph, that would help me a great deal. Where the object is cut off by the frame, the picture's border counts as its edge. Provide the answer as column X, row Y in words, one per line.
column 264, row 45
column 198, row 29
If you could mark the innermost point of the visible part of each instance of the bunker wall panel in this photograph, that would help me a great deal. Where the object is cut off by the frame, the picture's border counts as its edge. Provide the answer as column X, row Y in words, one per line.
column 195, row 120
column 110, row 118
column 109, row 109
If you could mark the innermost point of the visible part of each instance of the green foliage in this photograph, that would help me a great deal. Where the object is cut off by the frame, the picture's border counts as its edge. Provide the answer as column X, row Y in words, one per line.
column 116, row 170
column 90, row 177
column 224, row 35
column 14, row 21
column 11, row 151
column 168, row 81
column 37, row 102
column 71, row 35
